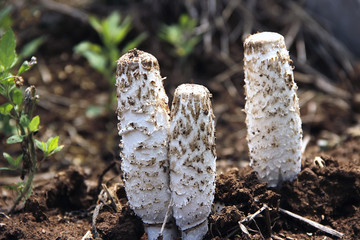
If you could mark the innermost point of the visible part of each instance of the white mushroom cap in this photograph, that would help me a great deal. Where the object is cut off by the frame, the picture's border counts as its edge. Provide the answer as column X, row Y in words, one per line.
column 192, row 158
column 272, row 109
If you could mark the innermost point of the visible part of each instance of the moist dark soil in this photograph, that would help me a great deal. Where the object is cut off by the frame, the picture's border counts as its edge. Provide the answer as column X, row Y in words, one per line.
column 68, row 188
column 328, row 194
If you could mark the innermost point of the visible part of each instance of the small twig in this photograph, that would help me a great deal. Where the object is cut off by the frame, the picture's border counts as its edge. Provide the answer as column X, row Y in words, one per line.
column 101, row 177
column 301, row 49
column 306, row 141
column 235, row 230
column 313, row 224
column 268, row 222
column 1, row 213
column 65, row 9
column 340, row 51
column 254, row 215
column 274, row 237
column 95, row 214
column 251, row 217
column 44, row 72
column 322, row 82
column 113, row 204
column 166, row 218
column 87, row 236
column 293, row 31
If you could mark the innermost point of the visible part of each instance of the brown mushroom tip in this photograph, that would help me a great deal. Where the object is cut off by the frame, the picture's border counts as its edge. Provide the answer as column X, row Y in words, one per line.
column 134, row 56
column 258, row 41
column 195, row 91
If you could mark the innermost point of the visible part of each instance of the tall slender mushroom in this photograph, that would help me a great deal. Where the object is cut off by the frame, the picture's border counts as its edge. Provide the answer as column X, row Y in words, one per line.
column 273, row 121
column 192, row 159
column 143, row 115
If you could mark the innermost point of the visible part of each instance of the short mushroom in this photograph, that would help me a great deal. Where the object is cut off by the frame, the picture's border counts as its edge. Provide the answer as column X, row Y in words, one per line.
column 192, row 159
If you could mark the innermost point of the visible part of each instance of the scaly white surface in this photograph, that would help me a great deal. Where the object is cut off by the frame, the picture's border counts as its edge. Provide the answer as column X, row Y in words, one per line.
column 272, row 109
column 192, row 159
column 143, row 115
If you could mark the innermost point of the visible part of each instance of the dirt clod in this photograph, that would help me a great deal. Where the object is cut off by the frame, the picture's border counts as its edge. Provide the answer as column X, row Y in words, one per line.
column 69, row 192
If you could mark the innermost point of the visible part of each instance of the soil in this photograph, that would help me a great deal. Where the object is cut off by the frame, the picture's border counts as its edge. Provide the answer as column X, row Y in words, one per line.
column 328, row 194
column 67, row 186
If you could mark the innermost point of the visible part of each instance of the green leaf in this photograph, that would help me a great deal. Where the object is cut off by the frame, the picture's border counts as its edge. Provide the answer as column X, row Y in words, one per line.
column 7, row 169
column 6, row 77
column 9, row 158
column 18, row 160
column 93, row 53
column 16, row 187
column 14, row 139
column 17, row 97
column 30, row 48
column 15, row 163
column 95, row 23
column 110, row 25
column 25, row 66
column 52, row 143
column 57, row 149
column 6, row 108
column 41, row 145
column 24, row 120
column 7, row 50
column 94, row 111
column 5, row 17
column 122, row 30
column 34, row 124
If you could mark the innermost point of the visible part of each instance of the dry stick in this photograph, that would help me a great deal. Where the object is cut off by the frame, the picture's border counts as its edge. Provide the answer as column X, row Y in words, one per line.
column 292, row 33
column 249, row 20
column 95, row 214
column 322, row 82
column 101, row 177
column 313, row 223
column 344, row 55
column 252, row 216
column 1, row 213
column 113, row 204
column 87, row 236
column 301, row 48
column 65, row 9
column 268, row 222
column 166, row 218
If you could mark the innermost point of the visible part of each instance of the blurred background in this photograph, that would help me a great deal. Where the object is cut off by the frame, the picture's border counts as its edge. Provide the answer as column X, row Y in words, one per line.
column 77, row 43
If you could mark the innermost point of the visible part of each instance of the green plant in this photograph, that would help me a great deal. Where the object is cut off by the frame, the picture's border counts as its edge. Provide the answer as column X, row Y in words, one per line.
column 28, row 49
column 112, row 32
column 5, row 18
column 181, row 36
column 20, row 107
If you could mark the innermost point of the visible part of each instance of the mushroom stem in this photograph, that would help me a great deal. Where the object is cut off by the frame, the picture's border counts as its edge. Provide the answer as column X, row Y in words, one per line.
column 272, row 109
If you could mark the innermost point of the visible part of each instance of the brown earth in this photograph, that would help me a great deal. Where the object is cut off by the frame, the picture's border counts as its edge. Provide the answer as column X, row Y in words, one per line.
column 328, row 194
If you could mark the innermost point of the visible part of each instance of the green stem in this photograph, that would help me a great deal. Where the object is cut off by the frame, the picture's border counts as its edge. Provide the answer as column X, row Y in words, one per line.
column 29, row 182
column 29, row 148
